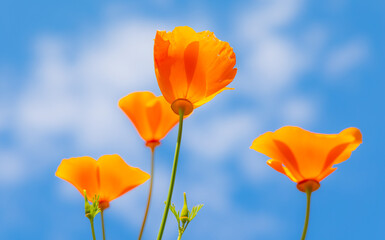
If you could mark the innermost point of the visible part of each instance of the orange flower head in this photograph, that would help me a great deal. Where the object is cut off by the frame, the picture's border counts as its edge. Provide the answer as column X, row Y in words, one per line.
column 151, row 115
column 306, row 157
column 109, row 177
column 192, row 68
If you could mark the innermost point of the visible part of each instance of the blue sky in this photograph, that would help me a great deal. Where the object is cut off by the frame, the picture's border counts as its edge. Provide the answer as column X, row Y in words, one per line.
column 65, row 65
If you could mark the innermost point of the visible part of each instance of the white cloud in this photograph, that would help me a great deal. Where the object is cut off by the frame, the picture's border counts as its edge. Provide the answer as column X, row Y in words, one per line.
column 346, row 57
column 6, row 98
column 275, row 61
column 74, row 87
column 268, row 17
column 253, row 166
column 299, row 111
column 66, row 192
column 221, row 136
column 276, row 64
column 12, row 169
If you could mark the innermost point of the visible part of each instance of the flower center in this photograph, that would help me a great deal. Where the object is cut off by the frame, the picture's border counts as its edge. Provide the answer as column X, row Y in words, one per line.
column 310, row 184
column 152, row 143
column 184, row 104
column 103, row 205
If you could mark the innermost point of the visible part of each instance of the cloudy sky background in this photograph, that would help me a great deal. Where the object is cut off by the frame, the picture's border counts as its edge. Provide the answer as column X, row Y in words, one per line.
column 65, row 65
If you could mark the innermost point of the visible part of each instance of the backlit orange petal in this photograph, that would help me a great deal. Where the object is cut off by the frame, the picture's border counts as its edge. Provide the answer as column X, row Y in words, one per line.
column 117, row 178
column 163, row 65
column 167, row 121
column 132, row 106
column 313, row 150
column 291, row 176
column 309, row 149
column 305, row 155
column 276, row 165
column 324, row 174
column 80, row 172
column 355, row 140
column 171, row 71
column 209, row 98
column 196, row 77
column 152, row 116
column 196, row 67
column 265, row 144
column 218, row 60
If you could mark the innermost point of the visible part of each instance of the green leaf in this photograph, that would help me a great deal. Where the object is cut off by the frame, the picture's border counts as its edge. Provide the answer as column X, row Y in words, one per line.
column 176, row 214
column 194, row 211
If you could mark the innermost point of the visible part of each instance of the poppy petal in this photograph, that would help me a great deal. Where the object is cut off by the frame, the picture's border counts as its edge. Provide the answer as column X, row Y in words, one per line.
column 132, row 106
column 209, row 98
column 356, row 140
column 325, row 173
column 117, row 178
column 305, row 155
column 196, row 67
column 266, row 144
column 167, row 121
column 152, row 116
column 80, row 172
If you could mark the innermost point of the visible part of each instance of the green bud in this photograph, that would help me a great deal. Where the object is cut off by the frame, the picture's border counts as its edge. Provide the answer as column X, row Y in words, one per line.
column 184, row 213
column 87, row 205
column 91, row 209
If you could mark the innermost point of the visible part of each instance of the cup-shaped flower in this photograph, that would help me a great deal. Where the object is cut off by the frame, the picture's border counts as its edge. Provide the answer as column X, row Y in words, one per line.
column 151, row 115
column 191, row 68
column 306, row 157
column 109, row 177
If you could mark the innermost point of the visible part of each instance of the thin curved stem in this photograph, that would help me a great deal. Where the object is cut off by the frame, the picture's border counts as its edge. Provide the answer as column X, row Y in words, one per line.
column 149, row 192
column 93, row 229
column 172, row 181
column 308, row 196
column 102, row 218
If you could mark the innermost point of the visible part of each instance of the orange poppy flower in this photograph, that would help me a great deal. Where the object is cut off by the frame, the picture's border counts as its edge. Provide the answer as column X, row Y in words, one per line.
column 109, row 177
column 151, row 115
column 192, row 67
column 306, row 157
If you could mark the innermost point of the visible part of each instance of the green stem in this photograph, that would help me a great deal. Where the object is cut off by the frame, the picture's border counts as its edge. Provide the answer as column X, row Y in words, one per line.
column 179, row 236
column 308, row 195
column 102, row 217
column 149, row 193
column 164, row 219
column 92, row 228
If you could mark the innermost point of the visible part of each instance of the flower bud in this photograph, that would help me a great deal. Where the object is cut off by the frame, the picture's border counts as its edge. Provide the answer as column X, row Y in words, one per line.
column 184, row 213
column 91, row 209
column 87, row 205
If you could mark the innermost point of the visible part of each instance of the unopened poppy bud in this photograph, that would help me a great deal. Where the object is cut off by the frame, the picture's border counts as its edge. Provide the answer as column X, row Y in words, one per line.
column 91, row 209
column 87, row 205
column 184, row 212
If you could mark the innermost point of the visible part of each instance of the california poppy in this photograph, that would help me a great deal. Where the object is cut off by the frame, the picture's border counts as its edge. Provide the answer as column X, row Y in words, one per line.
column 191, row 68
column 109, row 177
column 304, row 156
column 153, row 119
column 151, row 115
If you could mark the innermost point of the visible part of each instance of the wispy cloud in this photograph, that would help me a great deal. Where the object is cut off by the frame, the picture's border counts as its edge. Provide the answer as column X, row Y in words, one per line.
column 347, row 57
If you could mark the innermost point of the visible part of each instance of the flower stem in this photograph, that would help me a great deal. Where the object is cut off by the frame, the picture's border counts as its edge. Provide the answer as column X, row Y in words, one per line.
column 308, row 196
column 149, row 192
column 102, row 218
column 164, row 219
column 92, row 228
column 179, row 236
